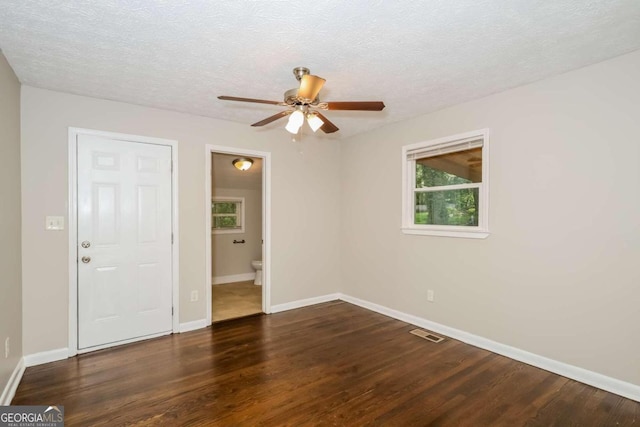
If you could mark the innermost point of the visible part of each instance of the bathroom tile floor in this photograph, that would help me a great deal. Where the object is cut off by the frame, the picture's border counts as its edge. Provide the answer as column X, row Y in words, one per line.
column 231, row 300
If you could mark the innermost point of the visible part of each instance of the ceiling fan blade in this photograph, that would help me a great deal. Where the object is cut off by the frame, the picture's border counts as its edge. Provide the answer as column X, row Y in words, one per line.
column 310, row 87
column 259, row 101
column 356, row 105
column 273, row 118
column 327, row 127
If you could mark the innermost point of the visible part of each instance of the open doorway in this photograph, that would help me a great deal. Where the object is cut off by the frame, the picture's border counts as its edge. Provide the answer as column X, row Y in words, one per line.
column 236, row 236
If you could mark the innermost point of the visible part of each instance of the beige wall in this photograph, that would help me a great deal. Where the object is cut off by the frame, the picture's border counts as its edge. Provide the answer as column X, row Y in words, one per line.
column 10, row 270
column 230, row 258
column 558, row 276
column 301, row 268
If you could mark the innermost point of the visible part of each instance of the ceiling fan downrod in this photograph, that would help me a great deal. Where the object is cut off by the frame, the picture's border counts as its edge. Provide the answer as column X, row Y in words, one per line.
column 300, row 71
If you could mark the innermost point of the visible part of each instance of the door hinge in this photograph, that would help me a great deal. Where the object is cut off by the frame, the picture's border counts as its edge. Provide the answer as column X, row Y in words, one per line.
column 172, row 311
column 172, row 238
column 171, row 166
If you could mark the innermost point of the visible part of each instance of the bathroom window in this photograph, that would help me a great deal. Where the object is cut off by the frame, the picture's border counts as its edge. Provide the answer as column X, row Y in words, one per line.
column 227, row 215
column 446, row 186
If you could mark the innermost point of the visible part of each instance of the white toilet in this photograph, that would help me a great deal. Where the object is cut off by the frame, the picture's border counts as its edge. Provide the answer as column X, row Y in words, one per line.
column 257, row 265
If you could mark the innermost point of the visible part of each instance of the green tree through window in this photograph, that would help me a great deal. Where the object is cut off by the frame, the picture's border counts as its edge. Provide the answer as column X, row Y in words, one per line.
column 225, row 215
column 447, row 207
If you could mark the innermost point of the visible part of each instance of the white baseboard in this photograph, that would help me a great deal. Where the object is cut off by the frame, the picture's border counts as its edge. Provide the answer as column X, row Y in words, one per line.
column 304, row 302
column 46, row 357
column 622, row 388
column 192, row 326
column 233, row 278
column 10, row 389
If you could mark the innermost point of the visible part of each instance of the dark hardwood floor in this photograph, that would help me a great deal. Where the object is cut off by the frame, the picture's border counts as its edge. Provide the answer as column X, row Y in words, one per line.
column 329, row 364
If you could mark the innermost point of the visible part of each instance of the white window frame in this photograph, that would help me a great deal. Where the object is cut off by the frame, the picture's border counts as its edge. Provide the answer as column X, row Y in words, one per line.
column 481, row 231
column 237, row 201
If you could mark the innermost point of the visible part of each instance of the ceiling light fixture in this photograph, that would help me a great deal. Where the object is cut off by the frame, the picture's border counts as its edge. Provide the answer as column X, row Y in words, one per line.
column 296, row 120
column 314, row 121
column 242, row 163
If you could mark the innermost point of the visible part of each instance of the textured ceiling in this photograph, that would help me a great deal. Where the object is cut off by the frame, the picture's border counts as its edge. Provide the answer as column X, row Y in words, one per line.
column 416, row 56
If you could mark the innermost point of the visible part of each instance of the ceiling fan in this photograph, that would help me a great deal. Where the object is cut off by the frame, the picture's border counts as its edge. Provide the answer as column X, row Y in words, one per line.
column 305, row 103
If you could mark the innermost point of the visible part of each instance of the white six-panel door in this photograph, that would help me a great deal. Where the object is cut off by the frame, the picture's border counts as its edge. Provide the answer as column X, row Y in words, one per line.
column 124, row 240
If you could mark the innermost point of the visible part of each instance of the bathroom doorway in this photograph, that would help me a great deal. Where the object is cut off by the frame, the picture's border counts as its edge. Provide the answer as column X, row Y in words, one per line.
column 236, row 234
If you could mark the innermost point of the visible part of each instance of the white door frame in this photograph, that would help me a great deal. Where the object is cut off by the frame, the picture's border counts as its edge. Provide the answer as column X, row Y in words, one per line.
column 266, row 220
column 73, row 229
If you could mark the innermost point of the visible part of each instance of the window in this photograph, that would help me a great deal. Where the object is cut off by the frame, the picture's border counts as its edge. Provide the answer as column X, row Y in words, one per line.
column 227, row 215
column 446, row 186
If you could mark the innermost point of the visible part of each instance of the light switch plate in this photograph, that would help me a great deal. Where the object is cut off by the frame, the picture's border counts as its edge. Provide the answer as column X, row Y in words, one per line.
column 54, row 223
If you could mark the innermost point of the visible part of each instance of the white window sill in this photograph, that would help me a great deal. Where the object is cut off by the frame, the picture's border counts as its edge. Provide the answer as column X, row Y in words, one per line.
column 465, row 234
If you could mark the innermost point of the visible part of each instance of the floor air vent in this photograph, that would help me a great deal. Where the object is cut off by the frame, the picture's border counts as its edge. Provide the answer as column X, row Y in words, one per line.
column 426, row 335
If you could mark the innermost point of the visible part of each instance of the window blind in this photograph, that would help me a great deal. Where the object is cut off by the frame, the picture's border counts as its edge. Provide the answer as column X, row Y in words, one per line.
column 444, row 148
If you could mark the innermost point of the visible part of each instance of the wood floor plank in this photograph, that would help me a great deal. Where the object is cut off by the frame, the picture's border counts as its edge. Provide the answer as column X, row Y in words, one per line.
column 329, row 364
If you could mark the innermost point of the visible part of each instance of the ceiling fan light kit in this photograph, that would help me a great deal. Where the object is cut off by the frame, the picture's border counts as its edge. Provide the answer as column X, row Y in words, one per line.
column 242, row 163
column 304, row 103
column 296, row 120
column 314, row 121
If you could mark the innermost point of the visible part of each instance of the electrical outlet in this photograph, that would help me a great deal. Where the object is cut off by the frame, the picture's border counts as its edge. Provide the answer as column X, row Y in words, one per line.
column 430, row 295
column 6, row 348
column 194, row 296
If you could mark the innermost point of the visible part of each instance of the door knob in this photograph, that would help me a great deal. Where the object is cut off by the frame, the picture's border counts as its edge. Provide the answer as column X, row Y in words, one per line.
column 85, row 244
column 86, row 259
